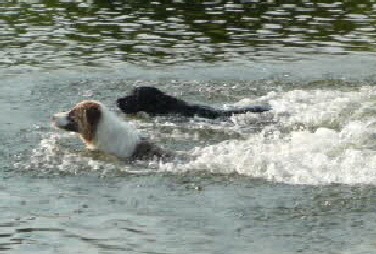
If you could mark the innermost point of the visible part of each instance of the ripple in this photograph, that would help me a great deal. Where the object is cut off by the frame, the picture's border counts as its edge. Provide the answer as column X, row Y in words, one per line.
column 152, row 34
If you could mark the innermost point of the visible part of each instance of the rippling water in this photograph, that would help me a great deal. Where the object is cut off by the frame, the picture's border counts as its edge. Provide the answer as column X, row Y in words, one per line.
column 59, row 34
column 299, row 178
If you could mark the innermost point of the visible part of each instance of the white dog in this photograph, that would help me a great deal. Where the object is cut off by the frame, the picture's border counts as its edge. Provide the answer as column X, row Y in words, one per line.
column 102, row 130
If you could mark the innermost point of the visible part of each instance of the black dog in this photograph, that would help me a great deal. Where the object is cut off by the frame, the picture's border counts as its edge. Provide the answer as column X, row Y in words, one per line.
column 155, row 102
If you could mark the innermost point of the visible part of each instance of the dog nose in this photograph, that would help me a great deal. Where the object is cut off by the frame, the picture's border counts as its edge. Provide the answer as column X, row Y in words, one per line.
column 55, row 117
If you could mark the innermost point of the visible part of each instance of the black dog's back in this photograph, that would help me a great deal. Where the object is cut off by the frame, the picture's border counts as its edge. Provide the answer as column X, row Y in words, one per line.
column 155, row 102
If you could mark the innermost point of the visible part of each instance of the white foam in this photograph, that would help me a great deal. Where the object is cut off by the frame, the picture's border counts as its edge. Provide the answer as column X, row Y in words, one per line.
column 302, row 157
column 322, row 137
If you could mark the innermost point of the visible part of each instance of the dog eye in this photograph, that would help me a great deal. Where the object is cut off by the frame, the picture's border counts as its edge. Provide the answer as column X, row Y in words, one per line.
column 72, row 115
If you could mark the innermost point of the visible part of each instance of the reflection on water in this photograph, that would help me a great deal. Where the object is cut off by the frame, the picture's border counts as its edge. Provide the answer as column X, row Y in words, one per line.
column 91, row 32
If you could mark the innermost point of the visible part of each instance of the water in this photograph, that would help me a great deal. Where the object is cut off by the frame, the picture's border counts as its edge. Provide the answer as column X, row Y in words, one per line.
column 298, row 179
column 65, row 33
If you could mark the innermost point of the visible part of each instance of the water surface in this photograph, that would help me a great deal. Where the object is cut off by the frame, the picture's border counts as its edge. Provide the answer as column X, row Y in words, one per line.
column 298, row 179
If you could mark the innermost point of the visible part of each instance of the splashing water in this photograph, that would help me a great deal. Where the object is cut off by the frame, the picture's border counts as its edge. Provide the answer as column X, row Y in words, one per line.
column 58, row 154
column 310, row 137
column 321, row 137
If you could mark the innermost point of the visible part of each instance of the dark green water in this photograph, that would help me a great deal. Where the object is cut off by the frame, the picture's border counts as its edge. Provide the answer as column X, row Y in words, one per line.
column 298, row 179
column 60, row 34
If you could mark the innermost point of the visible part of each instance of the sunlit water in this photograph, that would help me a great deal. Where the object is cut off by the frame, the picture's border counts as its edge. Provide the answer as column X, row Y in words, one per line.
column 299, row 178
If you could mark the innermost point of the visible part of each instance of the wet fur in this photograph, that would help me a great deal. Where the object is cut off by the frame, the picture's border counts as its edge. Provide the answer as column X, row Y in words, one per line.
column 102, row 130
column 155, row 102
column 87, row 116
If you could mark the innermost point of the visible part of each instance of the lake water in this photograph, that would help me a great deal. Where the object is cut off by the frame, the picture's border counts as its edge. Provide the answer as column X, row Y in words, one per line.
column 300, row 178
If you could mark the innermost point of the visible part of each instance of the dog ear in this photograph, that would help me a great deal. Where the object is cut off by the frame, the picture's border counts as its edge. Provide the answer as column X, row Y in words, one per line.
column 93, row 115
column 88, row 119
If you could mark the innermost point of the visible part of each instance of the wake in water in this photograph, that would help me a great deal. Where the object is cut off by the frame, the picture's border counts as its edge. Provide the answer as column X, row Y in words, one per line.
column 310, row 137
column 321, row 137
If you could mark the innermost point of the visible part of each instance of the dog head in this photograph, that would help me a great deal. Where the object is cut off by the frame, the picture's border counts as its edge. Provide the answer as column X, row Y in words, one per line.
column 148, row 99
column 83, row 119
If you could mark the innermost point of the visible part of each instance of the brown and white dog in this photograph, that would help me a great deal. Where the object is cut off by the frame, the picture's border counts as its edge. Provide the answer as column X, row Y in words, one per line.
column 102, row 130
